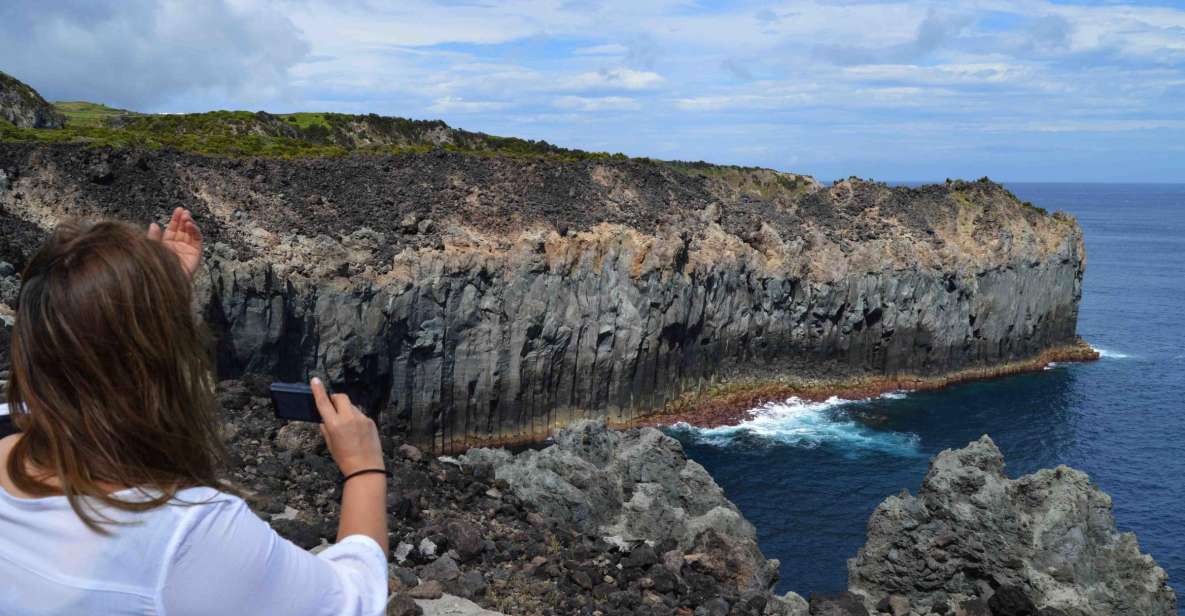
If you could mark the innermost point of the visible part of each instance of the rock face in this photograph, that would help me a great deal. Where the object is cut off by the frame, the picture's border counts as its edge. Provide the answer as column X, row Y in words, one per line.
column 478, row 300
column 637, row 488
column 24, row 107
column 1045, row 541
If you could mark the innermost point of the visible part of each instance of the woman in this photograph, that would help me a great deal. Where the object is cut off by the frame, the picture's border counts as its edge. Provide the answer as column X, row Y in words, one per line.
column 110, row 497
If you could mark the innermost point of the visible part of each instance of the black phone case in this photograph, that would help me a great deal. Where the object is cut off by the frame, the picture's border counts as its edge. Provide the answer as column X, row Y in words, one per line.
column 294, row 402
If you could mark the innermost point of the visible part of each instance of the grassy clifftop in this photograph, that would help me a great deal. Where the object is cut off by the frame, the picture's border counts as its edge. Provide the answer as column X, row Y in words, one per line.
column 295, row 135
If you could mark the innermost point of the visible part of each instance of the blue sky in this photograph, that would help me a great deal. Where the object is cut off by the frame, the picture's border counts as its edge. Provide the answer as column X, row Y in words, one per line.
column 893, row 90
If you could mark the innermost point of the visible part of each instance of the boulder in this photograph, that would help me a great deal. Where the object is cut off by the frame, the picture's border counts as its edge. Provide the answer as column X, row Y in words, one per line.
column 837, row 604
column 449, row 605
column 1042, row 541
column 636, row 487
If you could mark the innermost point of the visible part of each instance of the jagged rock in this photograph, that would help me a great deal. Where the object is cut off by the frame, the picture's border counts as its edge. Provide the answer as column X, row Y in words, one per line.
column 895, row 605
column 402, row 551
column 406, row 577
column 466, row 539
column 636, row 486
column 410, row 452
column 973, row 607
column 403, row 605
column 1011, row 601
column 469, row 585
column 442, row 569
column 715, row 607
column 10, row 284
column 24, row 107
column 427, row 548
column 838, row 604
column 449, row 605
column 429, row 589
column 789, row 604
column 1046, row 540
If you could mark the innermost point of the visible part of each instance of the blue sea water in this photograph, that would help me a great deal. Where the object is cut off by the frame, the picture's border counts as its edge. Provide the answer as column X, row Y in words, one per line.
column 809, row 474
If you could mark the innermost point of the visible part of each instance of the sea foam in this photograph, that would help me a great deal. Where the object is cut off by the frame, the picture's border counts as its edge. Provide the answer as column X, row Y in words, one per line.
column 802, row 423
column 1108, row 354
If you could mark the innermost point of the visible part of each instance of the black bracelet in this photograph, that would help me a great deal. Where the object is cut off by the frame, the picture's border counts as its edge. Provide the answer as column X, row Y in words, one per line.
column 365, row 471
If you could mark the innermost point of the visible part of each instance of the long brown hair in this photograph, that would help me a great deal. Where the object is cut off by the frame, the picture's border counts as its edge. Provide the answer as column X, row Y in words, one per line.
column 111, row 374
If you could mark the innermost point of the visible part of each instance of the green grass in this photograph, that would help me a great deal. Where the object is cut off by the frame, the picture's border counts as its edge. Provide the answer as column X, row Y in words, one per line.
column 305, row 119
column 291, row 135
column 240, row 134
column 84, row 114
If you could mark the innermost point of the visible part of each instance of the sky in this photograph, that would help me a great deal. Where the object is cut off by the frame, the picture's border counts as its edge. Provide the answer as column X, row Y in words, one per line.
column 895, row 90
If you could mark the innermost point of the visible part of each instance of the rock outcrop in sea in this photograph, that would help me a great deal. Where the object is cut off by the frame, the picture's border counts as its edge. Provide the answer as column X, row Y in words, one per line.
column 973, row 541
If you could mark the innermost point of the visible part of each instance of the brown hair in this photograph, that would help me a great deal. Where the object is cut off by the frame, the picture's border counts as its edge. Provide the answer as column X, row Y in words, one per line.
column 111, row 374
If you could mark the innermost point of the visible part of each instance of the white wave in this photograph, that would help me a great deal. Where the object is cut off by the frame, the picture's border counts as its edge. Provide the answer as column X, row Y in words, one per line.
column 801, row 423
column 1111, row 354
column 1051, row 365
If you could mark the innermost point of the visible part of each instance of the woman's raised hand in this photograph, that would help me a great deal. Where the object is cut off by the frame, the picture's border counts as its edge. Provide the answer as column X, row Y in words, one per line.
column 181, row 236
column 352, row 437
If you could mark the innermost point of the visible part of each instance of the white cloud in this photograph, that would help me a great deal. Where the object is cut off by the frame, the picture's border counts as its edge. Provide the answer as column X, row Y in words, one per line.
column 611, row 49
column 455, row 104
column 940, row 74
column 144, row 53
column 613, row 79
column 597, row 103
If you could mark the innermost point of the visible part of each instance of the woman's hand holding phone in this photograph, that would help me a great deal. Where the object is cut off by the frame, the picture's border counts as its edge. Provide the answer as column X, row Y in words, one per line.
column 353, row 440
column 352, row 437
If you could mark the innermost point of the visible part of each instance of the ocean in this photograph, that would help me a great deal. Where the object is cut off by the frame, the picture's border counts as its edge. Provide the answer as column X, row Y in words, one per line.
column 808, row 475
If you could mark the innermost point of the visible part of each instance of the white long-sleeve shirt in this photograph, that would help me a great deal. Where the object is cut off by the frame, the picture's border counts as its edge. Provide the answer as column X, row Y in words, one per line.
column 213, row 556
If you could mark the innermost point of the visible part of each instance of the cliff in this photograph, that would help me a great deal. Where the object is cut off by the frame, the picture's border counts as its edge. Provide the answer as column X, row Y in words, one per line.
column 23, row 107
column 473, row 289
column 484, row 299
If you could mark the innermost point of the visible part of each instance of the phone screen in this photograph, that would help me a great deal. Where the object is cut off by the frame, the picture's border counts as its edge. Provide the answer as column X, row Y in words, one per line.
column 294, row 402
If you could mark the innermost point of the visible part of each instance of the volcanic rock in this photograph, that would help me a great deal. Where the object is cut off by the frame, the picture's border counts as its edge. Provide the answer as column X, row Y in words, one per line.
column 1044, row 541
column 23, row 106
column 490, row 326
column 636, row 487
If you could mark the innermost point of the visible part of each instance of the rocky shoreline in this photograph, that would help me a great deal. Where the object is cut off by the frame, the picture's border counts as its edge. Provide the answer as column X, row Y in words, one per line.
column 734, row 402
column 621, row 522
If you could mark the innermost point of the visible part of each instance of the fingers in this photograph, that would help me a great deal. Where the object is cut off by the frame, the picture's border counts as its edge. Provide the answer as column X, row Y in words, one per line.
column 154, row 232
column 321, row 399
column 191, row 228
column 342, row 403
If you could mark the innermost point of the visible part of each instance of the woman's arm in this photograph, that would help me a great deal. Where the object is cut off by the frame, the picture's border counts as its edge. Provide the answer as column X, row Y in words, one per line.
column 353, row 440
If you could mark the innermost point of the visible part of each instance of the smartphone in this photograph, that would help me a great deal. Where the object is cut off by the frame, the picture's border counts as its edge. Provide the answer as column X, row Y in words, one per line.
column 294, row 402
